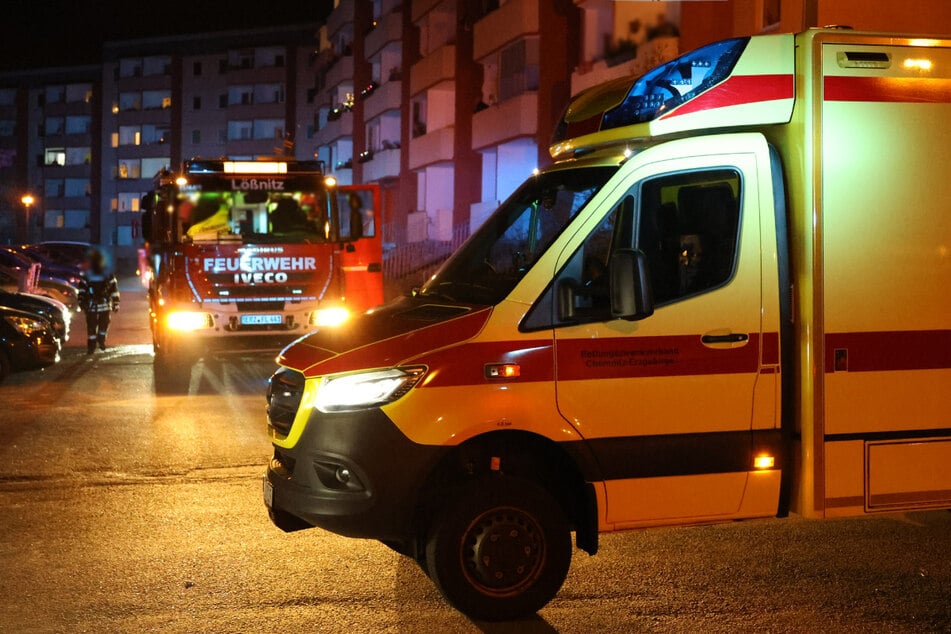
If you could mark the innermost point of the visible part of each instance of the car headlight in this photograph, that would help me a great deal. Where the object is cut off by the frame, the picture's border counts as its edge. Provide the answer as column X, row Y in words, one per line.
column 187, row 321
column 349, row 392
column 329, row 317
column 27, row 326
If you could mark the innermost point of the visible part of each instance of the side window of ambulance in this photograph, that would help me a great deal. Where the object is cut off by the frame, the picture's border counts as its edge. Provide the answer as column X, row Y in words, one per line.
column 579, row 293
column 687, row 227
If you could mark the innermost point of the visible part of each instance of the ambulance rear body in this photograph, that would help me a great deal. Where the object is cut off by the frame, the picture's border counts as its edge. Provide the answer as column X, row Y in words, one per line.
column 726, row 299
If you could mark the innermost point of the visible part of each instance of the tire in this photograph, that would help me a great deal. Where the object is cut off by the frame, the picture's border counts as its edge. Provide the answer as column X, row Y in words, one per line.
column 4, row 366
column 500, row 550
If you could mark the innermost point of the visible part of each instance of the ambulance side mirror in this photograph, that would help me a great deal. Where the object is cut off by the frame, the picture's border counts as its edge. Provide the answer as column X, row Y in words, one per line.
column 630, row 289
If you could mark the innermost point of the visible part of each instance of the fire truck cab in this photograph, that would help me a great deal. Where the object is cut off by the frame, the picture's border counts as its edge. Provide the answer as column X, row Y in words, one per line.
column 726, row 299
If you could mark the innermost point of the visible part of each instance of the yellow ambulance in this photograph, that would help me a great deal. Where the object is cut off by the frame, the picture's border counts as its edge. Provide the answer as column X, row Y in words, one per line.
column 727, row 298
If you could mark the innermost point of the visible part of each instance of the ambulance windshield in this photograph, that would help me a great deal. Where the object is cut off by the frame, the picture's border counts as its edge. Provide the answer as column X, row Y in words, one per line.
column 675, row 83
column 500, row 252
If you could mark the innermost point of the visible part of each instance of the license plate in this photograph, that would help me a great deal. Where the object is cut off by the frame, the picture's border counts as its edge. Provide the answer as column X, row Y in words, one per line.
column 261, row 320
column 268, row 494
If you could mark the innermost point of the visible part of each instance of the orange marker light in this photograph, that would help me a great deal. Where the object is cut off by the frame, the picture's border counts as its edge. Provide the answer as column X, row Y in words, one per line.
column 502, row 371
column 764, row 462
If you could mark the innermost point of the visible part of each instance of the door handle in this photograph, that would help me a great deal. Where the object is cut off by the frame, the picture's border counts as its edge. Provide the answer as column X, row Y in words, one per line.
column 733, row 337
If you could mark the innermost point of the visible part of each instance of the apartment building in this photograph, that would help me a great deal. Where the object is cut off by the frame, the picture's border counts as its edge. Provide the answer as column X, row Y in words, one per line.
column 449, row 104
column 48, row 150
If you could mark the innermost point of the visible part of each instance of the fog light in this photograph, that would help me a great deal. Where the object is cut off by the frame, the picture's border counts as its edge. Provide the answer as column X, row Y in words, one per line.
column 764, row 462
column 188, row 320
column 343, row 475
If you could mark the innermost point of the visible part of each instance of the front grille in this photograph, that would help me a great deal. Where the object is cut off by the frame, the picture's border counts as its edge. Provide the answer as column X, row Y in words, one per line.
column 260, row 306
column 284, row 391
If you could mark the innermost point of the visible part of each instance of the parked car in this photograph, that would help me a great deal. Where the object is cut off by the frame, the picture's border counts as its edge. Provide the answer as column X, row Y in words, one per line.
column 26, row 341
column 12, row 278
column 55, row 312
column 62, row 252
column 69, row 272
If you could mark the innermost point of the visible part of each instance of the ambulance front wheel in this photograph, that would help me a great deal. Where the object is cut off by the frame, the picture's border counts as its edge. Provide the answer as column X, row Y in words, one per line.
column 500, row 550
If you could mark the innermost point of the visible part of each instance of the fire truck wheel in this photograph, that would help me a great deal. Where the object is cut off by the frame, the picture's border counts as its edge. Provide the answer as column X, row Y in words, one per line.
column 500, row 550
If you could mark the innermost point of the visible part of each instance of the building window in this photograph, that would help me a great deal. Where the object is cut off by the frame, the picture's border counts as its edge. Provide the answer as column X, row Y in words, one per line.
column 55, row 94
column 8, row 97
column 222, row 66
column 78, row 156
column 152, row 166
column 223, row 101
column 53, row 187
column 240, row 130
column 130, row 135
column 79, row 93
column 54, row 125
column 196, row 137
column 196, row 103
column 222, row 136
column 78, row 124
column 196, row 69
column 8, row 127
column 130, row 101
column 269, row 128
column 269, row 93
column 128, row 201
column 55, row 156
column 152, row 134
column 53, row 219
column 76, row 219
column 240, row 95
column 129, row 168
column 77, row 187
column 156, row 99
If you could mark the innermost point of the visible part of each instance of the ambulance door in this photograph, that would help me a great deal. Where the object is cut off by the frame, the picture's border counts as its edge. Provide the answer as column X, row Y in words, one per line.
column 666, row 403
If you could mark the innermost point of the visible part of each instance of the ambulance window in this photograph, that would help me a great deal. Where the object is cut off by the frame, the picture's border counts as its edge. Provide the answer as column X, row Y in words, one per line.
column 687, row 228
column 579, row 293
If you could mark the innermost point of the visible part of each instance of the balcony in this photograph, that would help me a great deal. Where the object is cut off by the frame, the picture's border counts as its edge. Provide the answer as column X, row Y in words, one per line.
column 389, row 29
column 514, row 19
column 435, row 147
column 341, row 16
column 386, row 97
column 435, row 68
column 385, row 164
column 649, row 55
column 422, row 7
column 511, row 119
column 342, row 127
column 340, row 73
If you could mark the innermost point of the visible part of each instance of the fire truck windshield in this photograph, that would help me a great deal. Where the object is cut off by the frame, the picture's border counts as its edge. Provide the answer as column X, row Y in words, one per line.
column 497, row 256
column 260, row 216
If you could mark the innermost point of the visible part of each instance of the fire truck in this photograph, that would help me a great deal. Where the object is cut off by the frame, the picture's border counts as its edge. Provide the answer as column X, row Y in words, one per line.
column 727, row 298
column 252, row 254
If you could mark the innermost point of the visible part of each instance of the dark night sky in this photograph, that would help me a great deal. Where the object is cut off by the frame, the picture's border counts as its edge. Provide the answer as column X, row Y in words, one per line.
column 59, row 32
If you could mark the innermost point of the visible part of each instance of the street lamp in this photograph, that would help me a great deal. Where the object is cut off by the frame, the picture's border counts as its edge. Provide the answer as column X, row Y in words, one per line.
column 27, row 201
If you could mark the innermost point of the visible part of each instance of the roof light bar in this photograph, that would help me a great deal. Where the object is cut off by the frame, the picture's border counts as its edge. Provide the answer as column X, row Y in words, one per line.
column 254, row 167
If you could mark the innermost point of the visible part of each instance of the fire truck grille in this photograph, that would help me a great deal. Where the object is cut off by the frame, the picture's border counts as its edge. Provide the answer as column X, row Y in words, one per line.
column 257, row 307
column 284, row 391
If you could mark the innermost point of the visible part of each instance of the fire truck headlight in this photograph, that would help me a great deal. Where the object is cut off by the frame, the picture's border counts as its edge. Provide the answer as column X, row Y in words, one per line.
column 362, row 390
column 187, row 321
column 329, row 317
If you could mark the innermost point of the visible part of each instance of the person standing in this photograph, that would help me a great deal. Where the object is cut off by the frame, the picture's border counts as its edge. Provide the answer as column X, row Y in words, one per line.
column 98, row 296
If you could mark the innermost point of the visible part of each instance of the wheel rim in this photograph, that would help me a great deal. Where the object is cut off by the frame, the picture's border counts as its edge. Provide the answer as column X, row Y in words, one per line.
column 503, row 551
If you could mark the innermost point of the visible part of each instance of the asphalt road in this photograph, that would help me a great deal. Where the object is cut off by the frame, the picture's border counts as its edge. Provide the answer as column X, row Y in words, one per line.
column 126, row 508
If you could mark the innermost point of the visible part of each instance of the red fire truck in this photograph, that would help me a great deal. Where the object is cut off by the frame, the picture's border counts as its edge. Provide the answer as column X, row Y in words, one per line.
column 253, row 254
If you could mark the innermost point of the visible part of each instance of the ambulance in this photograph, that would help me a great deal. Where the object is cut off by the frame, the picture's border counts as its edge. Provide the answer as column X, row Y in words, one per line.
column 727, row 298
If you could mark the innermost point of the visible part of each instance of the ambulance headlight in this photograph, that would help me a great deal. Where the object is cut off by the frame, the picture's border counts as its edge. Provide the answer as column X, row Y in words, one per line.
column 187, row 320
column 329, row 317
column 27, row 326
column 349, row 392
